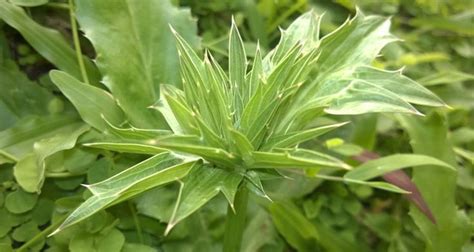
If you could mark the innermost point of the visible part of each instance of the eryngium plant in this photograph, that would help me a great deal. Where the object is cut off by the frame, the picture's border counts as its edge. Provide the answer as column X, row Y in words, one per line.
column 230, row 128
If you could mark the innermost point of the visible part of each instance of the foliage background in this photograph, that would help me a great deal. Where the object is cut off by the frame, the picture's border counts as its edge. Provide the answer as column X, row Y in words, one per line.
column 437, row 50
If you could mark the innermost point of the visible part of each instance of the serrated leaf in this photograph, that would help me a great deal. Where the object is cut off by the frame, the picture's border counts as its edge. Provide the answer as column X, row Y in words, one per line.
column 255, row 185
column 380, row 166
column 88, row 101
column 138, row 53
column 304, row 30
column 155, row 171
column 47, row 42
column 203, row 184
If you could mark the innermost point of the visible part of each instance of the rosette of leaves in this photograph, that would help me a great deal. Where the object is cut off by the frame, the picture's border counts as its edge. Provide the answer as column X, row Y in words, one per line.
column 227, row 130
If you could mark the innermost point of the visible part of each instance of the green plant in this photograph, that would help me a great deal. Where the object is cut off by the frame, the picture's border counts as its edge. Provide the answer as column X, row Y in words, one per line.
column 229, row 131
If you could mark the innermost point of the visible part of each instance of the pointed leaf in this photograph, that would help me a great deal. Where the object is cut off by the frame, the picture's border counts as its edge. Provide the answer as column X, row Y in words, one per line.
column 155, row 171
column 127, row 147
column 88, row 101
column 380, row 166
column 202, row 184
column 299, row 158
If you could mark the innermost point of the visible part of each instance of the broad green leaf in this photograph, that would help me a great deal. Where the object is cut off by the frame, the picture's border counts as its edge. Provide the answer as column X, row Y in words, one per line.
column 138, row 53
column 91, row 102
column 201, row 185
column 106, row 240
column 20, row 201
column 18, row 141
column 295, row 159
column 155, row 171
column 380, row 166
column 30, row 171
column 430, row 137
column 20, row 96
column 47, row 42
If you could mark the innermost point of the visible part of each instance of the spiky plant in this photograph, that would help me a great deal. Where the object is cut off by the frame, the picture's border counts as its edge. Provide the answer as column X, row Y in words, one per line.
column 230, row 128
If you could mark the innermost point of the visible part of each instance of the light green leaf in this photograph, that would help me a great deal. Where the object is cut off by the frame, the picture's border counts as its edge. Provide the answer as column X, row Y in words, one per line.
column 155, row 171
column 380, row 166
column 293, row 138
column 177, row 114
column 136, row 134
column 19, row 201
column 304, row 30
column 138, row 53
column 18, row 141
column 295, row 159
column 47, row 42
column 193, row 145
column 430, row 137
column 203, row 184
column 255, row 184
column 30, row 175
column 91, row 102
column 237, row 69
column 243, row 145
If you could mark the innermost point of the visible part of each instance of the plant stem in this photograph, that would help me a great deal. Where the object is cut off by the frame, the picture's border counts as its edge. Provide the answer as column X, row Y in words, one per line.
column 42, row 234
column 136, row 221
column 77, row 45
column 235, row 221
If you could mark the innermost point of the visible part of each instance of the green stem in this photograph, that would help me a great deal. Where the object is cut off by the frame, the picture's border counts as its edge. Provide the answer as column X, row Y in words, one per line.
column 77, row 45
column 136, row 221
column 235, row 221
column 42, row 234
